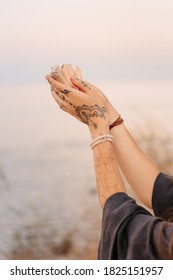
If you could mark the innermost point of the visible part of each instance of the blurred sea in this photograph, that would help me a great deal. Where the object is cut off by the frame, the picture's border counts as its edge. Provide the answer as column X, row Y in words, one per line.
column 47, row 182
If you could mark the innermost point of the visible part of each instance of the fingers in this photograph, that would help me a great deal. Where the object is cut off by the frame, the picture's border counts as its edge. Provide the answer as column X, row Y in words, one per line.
column 67, row 71
column 57, row 74
column 63, row 75
column 78, row 73
column 82, row 85
column 58, row 98
column 58, row 86
column 63, row 90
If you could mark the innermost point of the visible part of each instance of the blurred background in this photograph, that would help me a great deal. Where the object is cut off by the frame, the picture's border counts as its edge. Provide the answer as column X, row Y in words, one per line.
column 48, row 203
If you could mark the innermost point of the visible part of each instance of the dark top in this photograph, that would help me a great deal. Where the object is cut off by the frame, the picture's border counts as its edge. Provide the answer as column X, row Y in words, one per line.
column 130, row 232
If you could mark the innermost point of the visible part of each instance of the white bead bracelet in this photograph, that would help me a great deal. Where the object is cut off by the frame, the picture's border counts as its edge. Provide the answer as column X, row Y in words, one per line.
column 100, row 139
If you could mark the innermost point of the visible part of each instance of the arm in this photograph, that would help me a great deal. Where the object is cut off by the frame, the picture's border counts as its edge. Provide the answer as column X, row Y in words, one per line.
column 89, row 109
column 108, row 178
column 138, row 169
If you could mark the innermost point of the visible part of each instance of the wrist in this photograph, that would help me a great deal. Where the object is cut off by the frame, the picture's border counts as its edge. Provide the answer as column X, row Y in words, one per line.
column 102, row 128
column 112, row 114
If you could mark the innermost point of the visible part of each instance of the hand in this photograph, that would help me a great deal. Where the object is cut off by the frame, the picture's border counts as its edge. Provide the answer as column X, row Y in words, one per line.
column 62, row 74
column 85, row 106
column 68, row 71
column 112, row 114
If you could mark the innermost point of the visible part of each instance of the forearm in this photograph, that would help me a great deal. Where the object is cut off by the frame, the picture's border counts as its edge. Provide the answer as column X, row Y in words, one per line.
column 136, row 166
column 108, row 178
column 90, row 106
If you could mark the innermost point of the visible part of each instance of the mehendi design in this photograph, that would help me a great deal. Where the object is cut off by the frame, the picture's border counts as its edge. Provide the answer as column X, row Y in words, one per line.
column 85, row 85
column 57, row 93
column 65, row 91
column 63, row 97
column 105, row 174
column 70, row 103
column 86, row 112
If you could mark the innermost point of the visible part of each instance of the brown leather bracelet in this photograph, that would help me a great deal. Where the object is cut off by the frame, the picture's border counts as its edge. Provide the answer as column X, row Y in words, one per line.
column 118, row 121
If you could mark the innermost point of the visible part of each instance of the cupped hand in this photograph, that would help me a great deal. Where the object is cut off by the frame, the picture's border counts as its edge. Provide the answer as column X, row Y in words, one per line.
column 68, row 71
column 63, row 73
column 83, row 104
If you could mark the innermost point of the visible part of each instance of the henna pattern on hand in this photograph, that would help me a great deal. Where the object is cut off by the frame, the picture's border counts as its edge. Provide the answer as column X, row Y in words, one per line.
column 62, row 97
column 105, row 174
column 85, row 85
column 70, row 103
column 65, row 91
column 86, row 113
column 57, row 93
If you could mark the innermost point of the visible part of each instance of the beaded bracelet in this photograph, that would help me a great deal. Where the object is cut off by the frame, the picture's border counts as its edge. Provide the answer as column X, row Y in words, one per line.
column 118, row 121
column 100, row 139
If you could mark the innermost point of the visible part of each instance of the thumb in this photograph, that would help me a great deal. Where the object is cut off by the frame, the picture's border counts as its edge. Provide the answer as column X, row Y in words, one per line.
column 82, row 85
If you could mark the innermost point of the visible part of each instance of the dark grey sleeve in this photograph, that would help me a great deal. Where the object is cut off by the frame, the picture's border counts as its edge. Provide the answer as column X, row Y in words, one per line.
column 130, row 232
column 123, row 220
column 162, row 198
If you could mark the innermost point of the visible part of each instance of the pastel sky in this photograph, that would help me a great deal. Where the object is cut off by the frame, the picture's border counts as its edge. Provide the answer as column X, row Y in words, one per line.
column 109, row 39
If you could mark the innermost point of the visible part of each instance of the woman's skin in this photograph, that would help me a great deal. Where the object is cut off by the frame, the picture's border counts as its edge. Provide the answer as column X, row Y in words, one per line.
column 138, row 169
column 89, row 108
